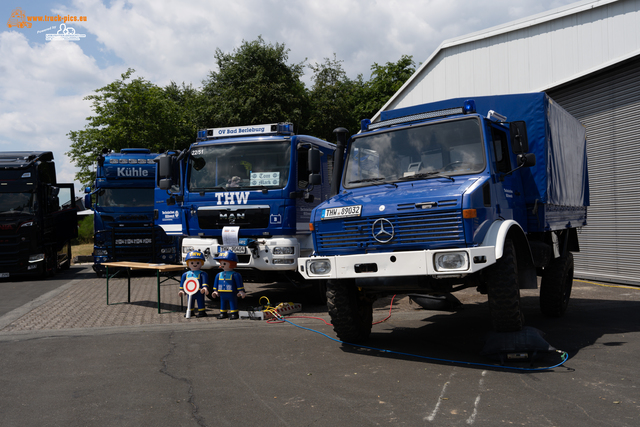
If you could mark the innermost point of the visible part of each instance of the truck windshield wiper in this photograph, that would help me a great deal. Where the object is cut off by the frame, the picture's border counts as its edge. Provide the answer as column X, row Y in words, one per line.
column 374, row 180
column 199, row 190
column 434, row 174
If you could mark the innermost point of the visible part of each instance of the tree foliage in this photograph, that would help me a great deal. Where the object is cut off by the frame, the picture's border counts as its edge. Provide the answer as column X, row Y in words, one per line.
column 385, row 81
column 133, row 113
column 332, row 99
column 254, row 84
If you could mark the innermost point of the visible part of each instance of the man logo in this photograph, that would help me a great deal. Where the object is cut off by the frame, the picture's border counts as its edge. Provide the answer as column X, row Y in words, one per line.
column 382, row 230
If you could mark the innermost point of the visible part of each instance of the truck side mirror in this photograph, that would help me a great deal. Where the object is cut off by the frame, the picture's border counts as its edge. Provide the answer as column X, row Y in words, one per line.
column 315, row 179
column 164, row 166
column 519, row 141
column 314, row 161
column 526, row 160
column 164, row 184
column 87, row 201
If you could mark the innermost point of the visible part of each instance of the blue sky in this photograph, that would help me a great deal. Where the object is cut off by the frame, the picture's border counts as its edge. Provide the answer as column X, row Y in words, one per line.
column 43, row 82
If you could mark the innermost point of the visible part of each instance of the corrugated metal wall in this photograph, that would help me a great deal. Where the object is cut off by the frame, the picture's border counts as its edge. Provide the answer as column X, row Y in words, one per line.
column 608, row 104
column 527, row 55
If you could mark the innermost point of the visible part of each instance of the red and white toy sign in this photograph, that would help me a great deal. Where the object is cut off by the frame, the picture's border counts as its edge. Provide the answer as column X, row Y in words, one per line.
column 191, row 285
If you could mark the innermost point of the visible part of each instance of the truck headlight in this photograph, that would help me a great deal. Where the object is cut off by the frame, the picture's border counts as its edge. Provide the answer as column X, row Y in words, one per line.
column 319, row 267
column 451, row 261
column 36, row 257
column 187, row 249
column 287, row 250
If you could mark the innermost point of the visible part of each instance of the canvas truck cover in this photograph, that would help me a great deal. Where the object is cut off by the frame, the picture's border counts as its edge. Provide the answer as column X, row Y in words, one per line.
column 557, row 139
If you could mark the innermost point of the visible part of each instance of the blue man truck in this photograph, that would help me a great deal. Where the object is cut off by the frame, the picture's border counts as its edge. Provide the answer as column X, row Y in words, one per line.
column 38, row 215
column 124, row 228
column 249, row 189
column 485, row 193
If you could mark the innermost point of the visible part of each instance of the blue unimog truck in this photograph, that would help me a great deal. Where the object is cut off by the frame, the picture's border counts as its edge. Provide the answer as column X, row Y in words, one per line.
column 249, row 189
column 124, row 228
column 484, row 193
column 38, row 215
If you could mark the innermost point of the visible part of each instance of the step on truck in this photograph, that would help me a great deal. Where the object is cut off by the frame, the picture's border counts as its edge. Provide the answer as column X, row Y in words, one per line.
column 38, row 215
column 123, row 220
column 249, row 189
column 486, row 193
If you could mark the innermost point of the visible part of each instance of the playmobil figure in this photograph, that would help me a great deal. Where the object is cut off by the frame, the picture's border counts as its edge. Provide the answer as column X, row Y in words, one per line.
column 228, row 286
column 195, row 261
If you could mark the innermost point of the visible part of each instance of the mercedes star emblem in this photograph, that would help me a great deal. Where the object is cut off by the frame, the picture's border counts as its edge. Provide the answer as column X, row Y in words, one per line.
column 382, row 230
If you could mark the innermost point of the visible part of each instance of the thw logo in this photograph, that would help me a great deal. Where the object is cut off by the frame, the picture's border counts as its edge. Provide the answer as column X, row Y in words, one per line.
column 235, row 198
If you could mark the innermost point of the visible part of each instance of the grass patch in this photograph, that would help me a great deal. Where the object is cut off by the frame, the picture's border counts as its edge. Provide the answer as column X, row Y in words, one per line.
column 82, row 249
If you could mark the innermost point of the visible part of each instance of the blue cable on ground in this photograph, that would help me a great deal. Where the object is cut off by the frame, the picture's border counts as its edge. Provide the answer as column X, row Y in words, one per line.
column 565, row 356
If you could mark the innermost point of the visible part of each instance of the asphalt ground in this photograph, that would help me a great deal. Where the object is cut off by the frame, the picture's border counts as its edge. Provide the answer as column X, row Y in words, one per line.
column 69, row 359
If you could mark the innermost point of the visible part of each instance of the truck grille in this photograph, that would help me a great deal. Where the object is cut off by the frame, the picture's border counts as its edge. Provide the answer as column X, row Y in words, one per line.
column 217, row 219
column 416, row 230
column 129, row 243
column 14, row 249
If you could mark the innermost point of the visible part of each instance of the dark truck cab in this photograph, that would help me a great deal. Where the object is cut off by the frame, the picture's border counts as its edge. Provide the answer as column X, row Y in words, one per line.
column 38, row 215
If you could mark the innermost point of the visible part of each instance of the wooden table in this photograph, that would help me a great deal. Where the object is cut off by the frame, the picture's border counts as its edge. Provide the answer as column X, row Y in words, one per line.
column 129, row 265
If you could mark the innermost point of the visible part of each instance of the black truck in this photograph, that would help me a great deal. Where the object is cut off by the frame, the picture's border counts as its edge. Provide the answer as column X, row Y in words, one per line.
column 38, row 215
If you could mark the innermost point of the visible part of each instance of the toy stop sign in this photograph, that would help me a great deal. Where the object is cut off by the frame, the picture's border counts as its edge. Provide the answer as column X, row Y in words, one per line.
column 191, row 285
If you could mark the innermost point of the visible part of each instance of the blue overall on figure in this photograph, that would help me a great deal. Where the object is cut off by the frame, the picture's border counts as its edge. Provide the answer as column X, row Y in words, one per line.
column 195, row 261
column 228, row 286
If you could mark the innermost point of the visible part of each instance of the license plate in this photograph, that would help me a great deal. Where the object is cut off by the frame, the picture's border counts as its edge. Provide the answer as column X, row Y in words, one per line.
column 4, row 275
column 235, row 249
column 343, row 212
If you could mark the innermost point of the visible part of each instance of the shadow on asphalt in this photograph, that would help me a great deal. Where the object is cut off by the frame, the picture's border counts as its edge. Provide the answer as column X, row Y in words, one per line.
column 74, row 272
column 460, row 336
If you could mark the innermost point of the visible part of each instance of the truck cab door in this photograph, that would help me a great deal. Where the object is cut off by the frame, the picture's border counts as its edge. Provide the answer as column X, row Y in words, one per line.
column 64, row 213
column 168, row 195
column 311, row 194
column 509, row 200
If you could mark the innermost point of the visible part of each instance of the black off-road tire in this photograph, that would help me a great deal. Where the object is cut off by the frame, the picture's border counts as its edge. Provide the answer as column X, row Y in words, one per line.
column 350, row 310
column 555, row 287
column 504, row 292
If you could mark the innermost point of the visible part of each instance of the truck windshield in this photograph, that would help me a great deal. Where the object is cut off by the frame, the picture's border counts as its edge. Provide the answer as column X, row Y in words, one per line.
column 16, row 203
column 440, row 149
column 125, row 197
column 240, row 166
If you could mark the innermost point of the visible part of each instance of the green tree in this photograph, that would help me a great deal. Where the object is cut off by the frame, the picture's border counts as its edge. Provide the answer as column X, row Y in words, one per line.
column 253, row 85
column 133, row 113
column 332, row 99
column 385, row 81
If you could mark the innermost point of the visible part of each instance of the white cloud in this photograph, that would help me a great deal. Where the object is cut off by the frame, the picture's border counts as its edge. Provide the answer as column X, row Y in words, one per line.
column 42, row 84
column 42, row 87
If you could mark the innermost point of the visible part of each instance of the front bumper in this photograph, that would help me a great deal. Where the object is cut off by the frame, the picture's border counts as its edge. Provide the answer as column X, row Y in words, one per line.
column 263, row 256
column 398, row 264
